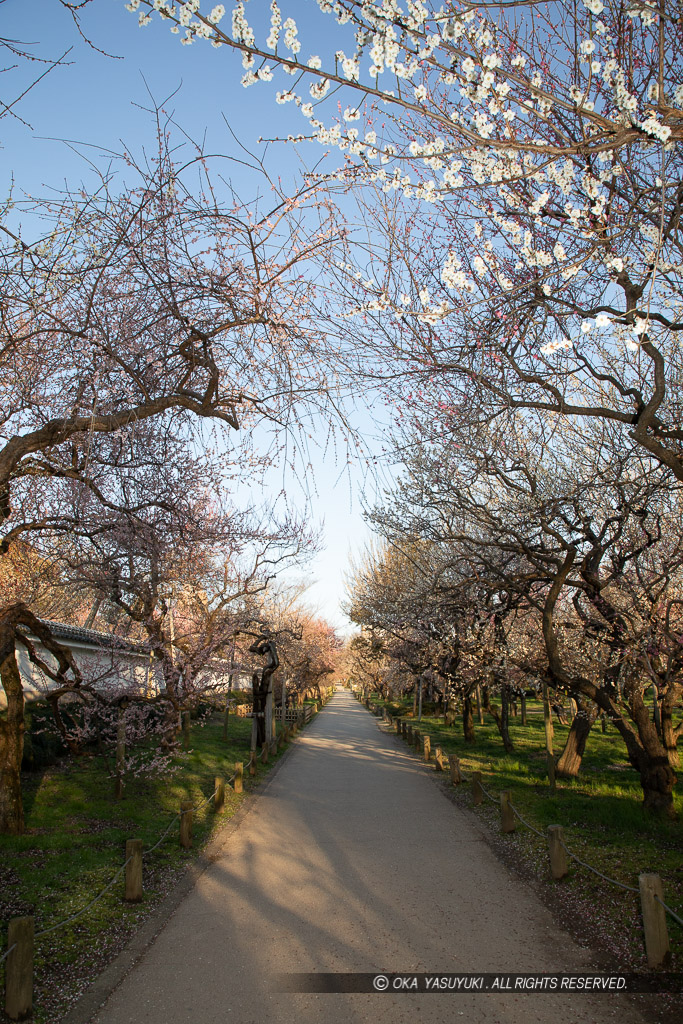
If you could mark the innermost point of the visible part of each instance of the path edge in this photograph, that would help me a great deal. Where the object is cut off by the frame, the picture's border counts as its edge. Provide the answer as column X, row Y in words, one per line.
column 107, row 981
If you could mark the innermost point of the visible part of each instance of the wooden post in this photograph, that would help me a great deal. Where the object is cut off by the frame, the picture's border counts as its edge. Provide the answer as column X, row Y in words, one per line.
column 219, row 794
column 507, row 815
column 409, row 734
column 438, row 760
column 654, row 920
column 477, row 791
column 186, row 730
column 239, row 777
column 133, row 886
column 252, row 762
column 559, row 864
column 454, row 765
column 264, row 754
column 416, row 739
column 427, row 748
column 186, row 809
column 19, row 968
column 285, row 734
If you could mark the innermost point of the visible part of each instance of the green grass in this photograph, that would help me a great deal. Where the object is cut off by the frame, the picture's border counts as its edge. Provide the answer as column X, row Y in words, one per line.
column 601, row 814
column 74, row 843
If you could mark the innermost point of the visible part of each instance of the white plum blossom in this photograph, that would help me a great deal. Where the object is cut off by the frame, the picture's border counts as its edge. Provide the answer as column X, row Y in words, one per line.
column 291, row 41
column 275, row 24
column 653, row 126
column 319, row 89
column 217, row 13
column 561, row 344
column 351, row 69
column 480, row 266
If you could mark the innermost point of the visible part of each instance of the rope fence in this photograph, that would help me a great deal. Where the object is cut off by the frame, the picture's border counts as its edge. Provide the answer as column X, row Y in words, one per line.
column 650, row 889
column 21, row 934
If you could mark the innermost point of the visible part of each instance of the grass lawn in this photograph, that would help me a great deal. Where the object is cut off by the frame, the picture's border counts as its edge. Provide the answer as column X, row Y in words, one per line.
column 74, row 843
column 604, row 825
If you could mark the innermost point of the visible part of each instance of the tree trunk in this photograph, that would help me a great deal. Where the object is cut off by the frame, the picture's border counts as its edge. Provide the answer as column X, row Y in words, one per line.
column 649, row 756
column 11, row 739
column 468, row 720
column 569, row 761
column 658, row 780
column 505, row 717
column 646, row 752
column 480, row 710
column 12, row 726
column 259, row 708
column 495, row 715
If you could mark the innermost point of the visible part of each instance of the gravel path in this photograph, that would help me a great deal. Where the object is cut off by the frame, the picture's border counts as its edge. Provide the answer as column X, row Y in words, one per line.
column 353, row 860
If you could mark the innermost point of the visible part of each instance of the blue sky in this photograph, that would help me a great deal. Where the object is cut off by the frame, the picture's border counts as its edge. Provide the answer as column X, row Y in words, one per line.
column 86, row 109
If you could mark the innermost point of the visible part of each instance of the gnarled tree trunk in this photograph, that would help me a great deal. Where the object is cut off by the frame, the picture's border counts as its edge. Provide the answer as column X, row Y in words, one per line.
column 13, row 619
column 501, row 722
column 569, row 761
column 11, row 737
column 671, row 732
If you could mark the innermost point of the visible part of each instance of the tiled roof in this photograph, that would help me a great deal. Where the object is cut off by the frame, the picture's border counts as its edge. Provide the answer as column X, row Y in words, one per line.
column 65, row 631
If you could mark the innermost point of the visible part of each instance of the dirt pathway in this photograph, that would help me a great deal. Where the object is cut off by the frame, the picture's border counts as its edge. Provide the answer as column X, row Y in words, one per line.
column 353, row 860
